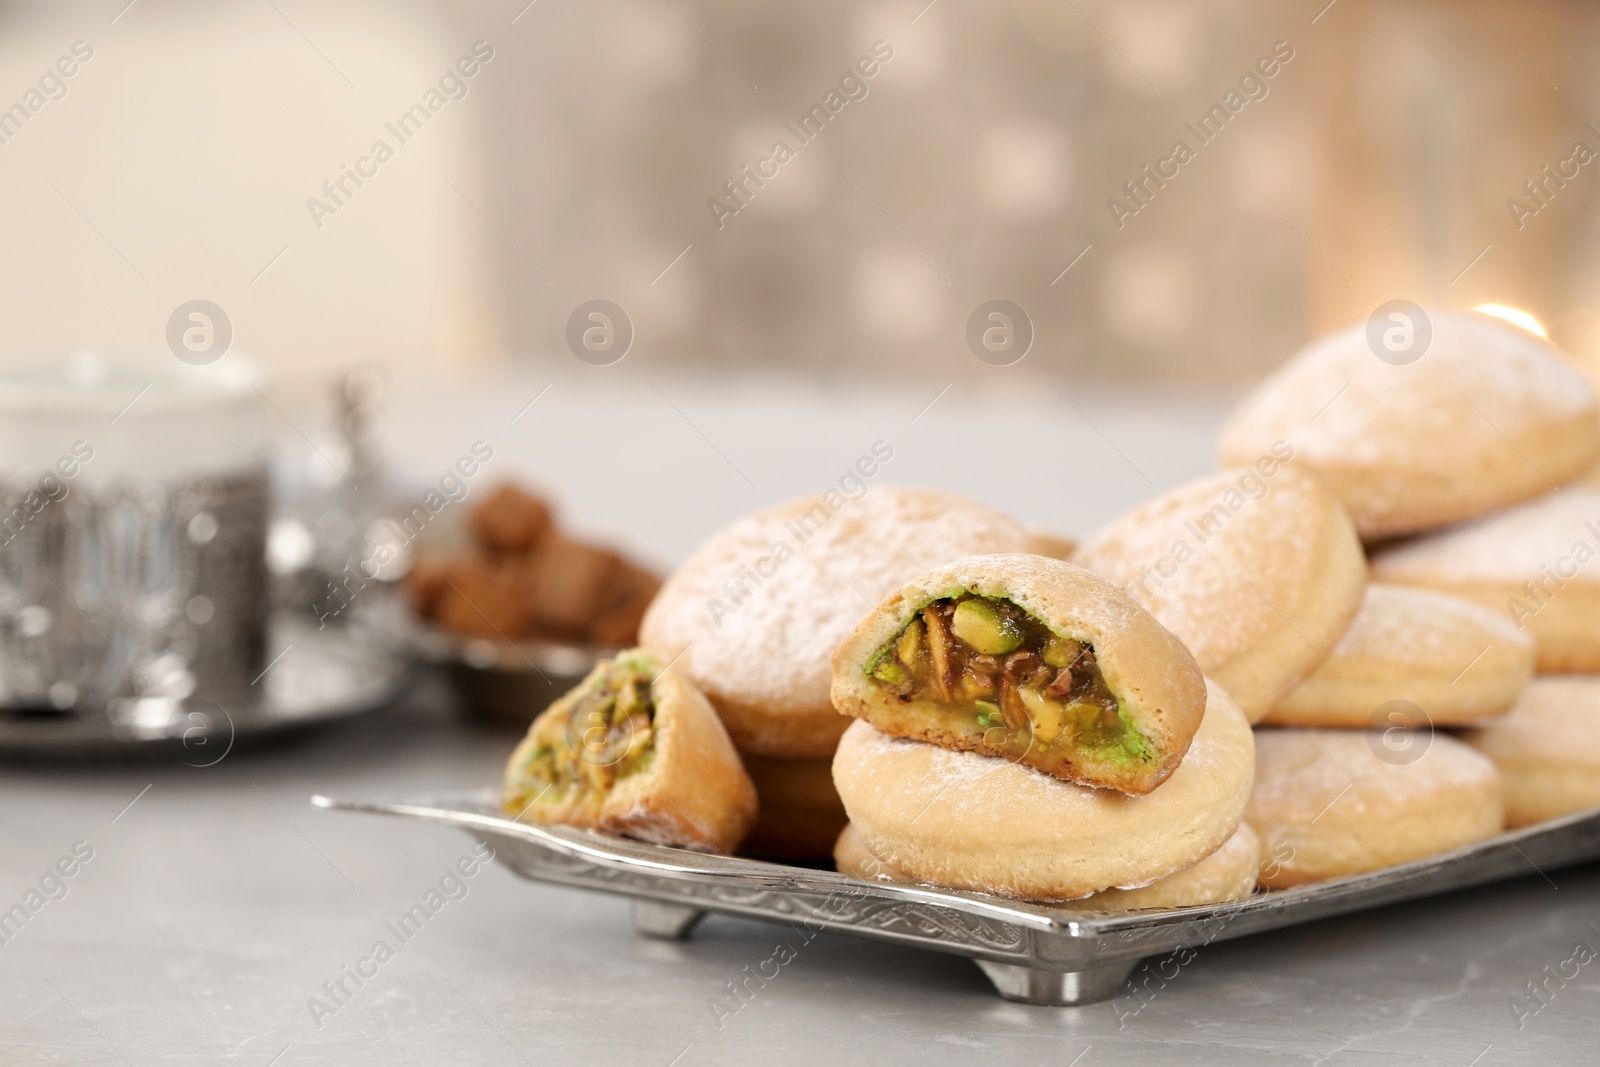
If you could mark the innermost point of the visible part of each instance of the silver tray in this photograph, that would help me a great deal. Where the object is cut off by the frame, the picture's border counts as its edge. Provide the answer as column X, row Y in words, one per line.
column 318, row 676
column 1035, row 953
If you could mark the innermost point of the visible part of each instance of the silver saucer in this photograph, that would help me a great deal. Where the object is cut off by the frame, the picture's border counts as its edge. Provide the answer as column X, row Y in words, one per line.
column 313, row 676
column 1050, row 954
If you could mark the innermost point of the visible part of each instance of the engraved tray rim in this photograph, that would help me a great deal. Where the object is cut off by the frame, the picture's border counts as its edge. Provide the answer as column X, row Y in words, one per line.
column 1052, row 937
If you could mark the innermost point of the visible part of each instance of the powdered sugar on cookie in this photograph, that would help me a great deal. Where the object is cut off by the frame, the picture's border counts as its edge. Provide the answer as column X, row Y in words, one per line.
column 1305, row 770
column 1488, row 415
column 1418, row 626
column 1510, row 546
column 764, row 603
column 1215, row 575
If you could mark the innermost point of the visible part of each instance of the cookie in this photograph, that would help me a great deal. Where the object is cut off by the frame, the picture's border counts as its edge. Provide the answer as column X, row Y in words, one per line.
column 1028, row 658
column 758, row 610
column 485, row 597
column 1044, row 543
column 1489, row 415
column 523, row 579
column 633, row 750
column 1590, row 477
column 1227, row 874
column 1326, row 804
column 568, row 583
column 1547, row 749
column 1455, row 660
column 621, row 606
column 1534, row 565
column 427, row 581
column 509, row 520
column 801, row 813
column 1257, row 571
column 969, row 821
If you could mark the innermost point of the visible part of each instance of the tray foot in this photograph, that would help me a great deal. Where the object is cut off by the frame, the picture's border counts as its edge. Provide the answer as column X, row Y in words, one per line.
column 670, row 922
column 1057, row 988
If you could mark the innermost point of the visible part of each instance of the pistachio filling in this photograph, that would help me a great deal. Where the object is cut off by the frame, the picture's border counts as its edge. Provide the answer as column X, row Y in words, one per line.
column 1001, row 673
column 606, row 734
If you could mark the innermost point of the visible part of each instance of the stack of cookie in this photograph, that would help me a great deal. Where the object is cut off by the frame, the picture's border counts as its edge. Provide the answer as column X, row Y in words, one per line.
column 1315, row 663
column 1261, row 570
column 1026, row 729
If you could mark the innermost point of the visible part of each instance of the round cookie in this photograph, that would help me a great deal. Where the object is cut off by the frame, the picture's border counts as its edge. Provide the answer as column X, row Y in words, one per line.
column 1590, row 477
column 1455, row 660
column 852, row 857
column 1547, row 749
column 1257, row 571
column 1227, row 874
column 1327, row 805
column 758, row 610
column 1535, row 565
column 1044, row 543
column 981, row 823
column 801, row 813
column 1488, row 415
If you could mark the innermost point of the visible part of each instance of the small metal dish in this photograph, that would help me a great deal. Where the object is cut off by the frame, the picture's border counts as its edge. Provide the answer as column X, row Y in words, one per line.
column 506, row 682
column 1034, row 953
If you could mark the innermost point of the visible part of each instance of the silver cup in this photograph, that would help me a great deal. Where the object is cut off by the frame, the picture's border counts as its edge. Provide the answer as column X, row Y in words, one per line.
column 132, row 565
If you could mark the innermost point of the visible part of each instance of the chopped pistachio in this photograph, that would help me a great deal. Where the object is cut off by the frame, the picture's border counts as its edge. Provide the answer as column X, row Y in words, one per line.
column 979, row 624
column 1047, row 715
column 939, row 652
column 911, row 642
column 976, row 685
column 1060, row 652
column 889, row 671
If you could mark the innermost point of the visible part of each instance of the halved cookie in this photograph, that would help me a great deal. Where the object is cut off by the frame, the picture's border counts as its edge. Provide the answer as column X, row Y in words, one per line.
column 1547, row 749
column 1536, row 565
column 633, row 750
column 968, row 821
column 1456, row 661
column 1488, row 415
column 1332, row 803
column 1227, row 874
column 1028, row 658
column 1257, row 571
column 759, row 608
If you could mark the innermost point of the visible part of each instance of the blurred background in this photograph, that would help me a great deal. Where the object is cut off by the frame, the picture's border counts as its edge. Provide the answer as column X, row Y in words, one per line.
column 603, row 150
